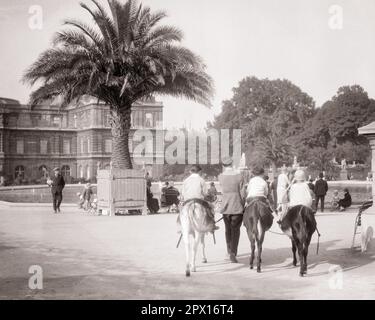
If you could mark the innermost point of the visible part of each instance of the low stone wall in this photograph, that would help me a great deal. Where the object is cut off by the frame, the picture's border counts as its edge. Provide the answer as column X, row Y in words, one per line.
column 360, row 191
column 40, row 193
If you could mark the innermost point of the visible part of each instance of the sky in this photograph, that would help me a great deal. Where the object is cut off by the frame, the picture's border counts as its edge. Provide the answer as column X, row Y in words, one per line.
column 305, row 41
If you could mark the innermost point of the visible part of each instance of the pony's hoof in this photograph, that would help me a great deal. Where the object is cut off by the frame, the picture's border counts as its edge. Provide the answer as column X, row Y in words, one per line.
column 204, row 261
column 251, row 267
column 194, row 269
column 301, row 274
column 295, row 263
column 187, row 273
column 258, row 270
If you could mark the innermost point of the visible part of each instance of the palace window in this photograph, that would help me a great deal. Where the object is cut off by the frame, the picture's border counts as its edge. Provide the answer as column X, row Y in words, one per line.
column 65, row 171
column 56, row 121
column 19, row 172
column 108, row 146
column 88, row 175
column 148, row 120
column 66, row 146
column 43, row 146
column 20, row 146
column 107, row 119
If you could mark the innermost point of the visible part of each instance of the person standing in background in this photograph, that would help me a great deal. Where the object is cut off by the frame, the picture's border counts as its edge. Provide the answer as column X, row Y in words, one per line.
column 57, row 185
column 282, row 192
column 320, row 190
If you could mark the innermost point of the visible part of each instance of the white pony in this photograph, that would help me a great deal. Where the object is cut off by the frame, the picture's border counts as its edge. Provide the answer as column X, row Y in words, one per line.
column 193, row 218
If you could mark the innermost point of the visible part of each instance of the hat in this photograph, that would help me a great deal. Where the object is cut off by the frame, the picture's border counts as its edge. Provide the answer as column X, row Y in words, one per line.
column 299, row 175
column 56, row 169
column 195, row 168
column 227, row 161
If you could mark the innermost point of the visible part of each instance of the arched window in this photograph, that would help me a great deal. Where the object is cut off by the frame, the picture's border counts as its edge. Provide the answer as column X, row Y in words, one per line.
column 19, row 172
column 80, row 170
column 88, row 171
column 65, row 171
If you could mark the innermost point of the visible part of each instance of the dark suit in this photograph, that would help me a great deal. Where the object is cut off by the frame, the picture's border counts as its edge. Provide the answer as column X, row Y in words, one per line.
column 320, row 189
column 57, row 187
column 232, row 206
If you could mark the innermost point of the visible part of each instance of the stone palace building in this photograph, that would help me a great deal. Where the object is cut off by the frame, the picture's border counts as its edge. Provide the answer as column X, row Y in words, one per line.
column 76, row 139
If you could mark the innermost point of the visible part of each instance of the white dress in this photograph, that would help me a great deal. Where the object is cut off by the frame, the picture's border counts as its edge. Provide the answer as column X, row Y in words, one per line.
column 299, row 194
column 282, row 186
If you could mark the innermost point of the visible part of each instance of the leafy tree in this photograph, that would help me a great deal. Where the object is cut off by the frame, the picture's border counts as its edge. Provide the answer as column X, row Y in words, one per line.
column 351, row 109
column 335, row 126
column 270, row 113
column 320, row 159
column 125, row 56
column 338, row 120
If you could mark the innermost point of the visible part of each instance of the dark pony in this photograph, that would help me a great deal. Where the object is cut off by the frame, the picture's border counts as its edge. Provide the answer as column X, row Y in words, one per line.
column 299, row 224
column 257, row 219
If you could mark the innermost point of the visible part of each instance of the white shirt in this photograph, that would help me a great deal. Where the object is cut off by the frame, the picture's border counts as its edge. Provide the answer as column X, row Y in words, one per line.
column 257, row 187
column 299, row 194
column 193, row 186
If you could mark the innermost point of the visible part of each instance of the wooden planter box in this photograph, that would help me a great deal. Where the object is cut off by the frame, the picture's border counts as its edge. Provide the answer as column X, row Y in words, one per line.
column 120, row 191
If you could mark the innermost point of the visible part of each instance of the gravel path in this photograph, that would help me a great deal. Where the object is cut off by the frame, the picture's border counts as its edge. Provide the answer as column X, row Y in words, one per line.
column 135, row 257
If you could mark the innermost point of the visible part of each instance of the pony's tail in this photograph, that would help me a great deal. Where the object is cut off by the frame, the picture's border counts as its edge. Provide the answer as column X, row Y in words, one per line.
column 303, row 224
column 256, row 221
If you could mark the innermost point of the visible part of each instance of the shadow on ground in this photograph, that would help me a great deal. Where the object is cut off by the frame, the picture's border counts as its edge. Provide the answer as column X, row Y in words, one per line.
column 346, row 258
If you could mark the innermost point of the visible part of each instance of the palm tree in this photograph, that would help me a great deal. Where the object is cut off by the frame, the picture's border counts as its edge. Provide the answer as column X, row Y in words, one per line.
column 126, row 56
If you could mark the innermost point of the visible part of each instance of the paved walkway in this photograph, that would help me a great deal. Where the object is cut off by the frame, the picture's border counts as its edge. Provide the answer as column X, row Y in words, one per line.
column 135, row 257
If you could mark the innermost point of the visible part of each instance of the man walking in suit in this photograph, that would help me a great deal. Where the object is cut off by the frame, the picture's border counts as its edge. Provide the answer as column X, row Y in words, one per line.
column 57, row 185
column 232, row 206
column 320, row 190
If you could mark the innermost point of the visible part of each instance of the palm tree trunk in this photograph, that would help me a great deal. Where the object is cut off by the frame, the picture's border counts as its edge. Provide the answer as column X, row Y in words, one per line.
column 120, row 125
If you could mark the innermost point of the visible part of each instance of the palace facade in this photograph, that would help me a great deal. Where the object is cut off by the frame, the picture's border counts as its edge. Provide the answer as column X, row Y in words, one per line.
column 76, row 139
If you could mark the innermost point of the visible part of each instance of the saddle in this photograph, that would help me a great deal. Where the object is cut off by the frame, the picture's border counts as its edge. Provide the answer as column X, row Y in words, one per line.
column 265, row 215
column 203, row 203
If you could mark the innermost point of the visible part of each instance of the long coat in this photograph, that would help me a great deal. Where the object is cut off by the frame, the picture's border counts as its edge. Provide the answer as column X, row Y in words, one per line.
column 233, row 192
column 58, row 184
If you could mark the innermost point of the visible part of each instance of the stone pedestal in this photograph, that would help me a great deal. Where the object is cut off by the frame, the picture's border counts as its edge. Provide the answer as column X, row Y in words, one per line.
column 368, row 216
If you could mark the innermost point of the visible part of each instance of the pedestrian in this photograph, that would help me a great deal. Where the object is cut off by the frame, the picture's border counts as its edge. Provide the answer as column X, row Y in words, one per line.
column 283, row 183
column 171, row 196
column 148, row 180
column 87, row 193
column 57, row 185
column 346, row 202
column 320, row 190
column 311, row 184
column 273, row 191
column 232, row 205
